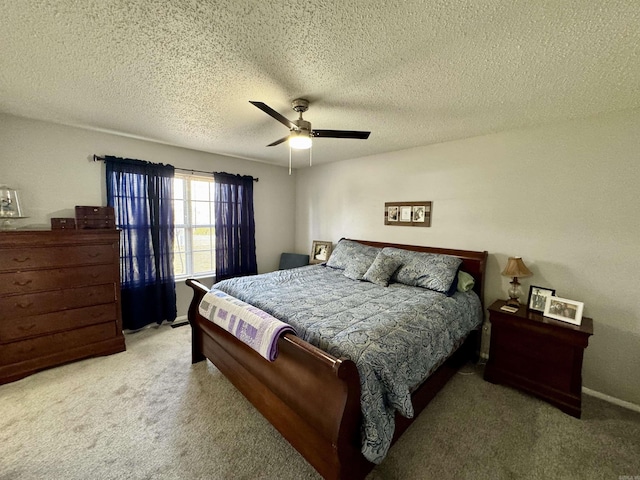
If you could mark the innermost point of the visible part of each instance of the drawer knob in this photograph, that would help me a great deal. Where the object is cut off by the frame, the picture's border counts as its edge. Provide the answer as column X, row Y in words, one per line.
column 24, row 305
column 94, row 255
column 21, row 260
column 22, row 284
column 26, row 328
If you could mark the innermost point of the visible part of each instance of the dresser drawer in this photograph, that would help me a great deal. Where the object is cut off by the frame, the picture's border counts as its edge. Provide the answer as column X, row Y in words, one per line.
column 19, row 259
column 42, row 346
column 39, row 280
column 19, row 306
column 21, row 328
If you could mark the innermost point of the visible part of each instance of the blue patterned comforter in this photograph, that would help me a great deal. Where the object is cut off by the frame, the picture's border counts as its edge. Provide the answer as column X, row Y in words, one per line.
column 395, row 335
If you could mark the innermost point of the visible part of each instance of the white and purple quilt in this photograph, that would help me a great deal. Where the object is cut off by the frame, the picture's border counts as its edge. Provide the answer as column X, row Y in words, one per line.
column 249, row 324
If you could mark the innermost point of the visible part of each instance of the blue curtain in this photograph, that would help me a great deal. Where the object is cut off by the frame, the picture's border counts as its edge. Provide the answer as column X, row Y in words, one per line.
column 141, row 194
column 235, row 226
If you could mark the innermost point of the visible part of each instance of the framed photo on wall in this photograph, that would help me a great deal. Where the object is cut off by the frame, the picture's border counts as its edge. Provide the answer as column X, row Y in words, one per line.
column 405, row 213
column 538, row 297
column 564, row 310
column 393, row 214
column 320, row 251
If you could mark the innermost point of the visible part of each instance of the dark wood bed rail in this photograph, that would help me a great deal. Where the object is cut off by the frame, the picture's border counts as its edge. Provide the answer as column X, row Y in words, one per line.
column 309, row 396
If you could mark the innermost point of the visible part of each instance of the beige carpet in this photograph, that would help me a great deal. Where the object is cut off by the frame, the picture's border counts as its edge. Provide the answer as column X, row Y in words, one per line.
column 147, row 413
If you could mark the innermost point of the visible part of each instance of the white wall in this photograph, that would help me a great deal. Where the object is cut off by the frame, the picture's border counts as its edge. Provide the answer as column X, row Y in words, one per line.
column 563, row 196
column 52, row 167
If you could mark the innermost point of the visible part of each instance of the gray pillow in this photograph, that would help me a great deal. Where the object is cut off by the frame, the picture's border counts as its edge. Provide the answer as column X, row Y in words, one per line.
column 427, row 270
column 381, row 270
column 355, row 271
column 353, row 255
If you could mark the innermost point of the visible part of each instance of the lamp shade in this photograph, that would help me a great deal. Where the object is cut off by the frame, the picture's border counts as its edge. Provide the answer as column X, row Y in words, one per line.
column 516, row 268
column 10, row 203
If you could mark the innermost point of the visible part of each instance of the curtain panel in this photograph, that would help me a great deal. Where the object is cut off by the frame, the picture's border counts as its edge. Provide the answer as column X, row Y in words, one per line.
column 141, row 194
column 235, row 226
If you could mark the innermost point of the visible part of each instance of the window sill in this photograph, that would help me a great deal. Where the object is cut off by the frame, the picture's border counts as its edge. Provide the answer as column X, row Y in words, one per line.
column 183, row 279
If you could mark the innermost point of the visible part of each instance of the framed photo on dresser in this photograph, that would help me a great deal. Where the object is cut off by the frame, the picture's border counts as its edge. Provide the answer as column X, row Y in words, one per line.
column 564, row 310
column 538, row 297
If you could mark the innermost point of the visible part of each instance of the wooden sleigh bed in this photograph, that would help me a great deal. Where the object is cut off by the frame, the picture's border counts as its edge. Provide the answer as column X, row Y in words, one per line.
column 311, row 397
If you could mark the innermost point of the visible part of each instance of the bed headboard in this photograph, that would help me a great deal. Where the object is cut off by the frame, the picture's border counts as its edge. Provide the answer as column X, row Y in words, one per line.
column 473, row 262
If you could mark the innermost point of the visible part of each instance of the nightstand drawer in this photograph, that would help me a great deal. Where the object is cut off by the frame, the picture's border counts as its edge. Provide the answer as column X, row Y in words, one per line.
column 545, row 370
column 536, row 348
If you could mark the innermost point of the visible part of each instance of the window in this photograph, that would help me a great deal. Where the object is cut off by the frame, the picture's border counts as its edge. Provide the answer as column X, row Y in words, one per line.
column 194, row 240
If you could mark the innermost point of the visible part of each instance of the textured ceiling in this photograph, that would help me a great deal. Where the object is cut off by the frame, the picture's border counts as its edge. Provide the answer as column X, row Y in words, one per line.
column 412, row 72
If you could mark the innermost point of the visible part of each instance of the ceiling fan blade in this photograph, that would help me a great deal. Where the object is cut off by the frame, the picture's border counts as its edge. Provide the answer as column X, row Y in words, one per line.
column 341, row 134
column 271, row 112
column 278, row 142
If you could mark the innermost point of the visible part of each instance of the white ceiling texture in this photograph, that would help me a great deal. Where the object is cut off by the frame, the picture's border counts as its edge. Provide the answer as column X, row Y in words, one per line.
column 412, row 72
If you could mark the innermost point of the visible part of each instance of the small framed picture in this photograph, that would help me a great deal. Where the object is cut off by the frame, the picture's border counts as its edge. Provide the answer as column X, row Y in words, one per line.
column 393, row 214
column 418, row 213
column 538, row 297
column 405, row 214
column 564, row 310
column 320, row 251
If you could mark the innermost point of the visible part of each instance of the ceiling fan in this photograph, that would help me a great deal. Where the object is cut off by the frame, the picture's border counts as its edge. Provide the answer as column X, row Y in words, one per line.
column 300, row 130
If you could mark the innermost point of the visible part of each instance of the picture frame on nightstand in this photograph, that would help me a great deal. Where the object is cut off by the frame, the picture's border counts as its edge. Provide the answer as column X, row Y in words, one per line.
column 564, row 310
column 320, row 251
column 538, row 297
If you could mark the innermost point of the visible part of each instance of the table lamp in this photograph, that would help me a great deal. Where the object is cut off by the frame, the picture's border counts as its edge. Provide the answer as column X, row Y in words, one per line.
column 515, row 268
column 9, row 207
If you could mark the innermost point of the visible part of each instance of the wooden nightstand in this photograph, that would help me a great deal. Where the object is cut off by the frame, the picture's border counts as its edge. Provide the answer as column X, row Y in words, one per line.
column 539, row 355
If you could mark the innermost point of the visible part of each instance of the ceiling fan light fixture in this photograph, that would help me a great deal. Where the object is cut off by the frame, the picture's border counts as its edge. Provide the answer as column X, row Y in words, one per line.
column 300, row 141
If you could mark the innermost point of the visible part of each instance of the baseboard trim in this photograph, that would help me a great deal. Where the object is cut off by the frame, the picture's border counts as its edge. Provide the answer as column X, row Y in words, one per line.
column 610, row 399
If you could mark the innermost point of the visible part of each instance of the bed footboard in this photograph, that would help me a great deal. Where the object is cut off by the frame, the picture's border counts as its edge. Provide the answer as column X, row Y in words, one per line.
column 309, row 396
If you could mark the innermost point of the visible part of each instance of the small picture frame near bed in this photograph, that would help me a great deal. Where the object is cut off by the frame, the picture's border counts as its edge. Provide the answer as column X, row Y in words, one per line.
column 408, row 214
column 564, row 310
column 320, row 251
column 538, row 297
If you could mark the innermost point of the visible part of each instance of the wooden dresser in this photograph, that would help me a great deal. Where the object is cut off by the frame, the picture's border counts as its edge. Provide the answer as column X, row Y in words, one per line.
column 59, row 298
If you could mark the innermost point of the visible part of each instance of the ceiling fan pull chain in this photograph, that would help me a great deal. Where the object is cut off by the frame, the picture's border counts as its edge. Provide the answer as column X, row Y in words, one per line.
column 289, row 159
column 310, row 155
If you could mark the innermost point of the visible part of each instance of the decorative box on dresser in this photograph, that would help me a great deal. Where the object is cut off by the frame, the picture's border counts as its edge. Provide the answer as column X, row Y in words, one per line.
column 539, row 355
column 59, row 298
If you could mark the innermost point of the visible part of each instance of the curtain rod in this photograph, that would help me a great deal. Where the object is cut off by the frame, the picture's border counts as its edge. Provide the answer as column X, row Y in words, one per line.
column 97, row 158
